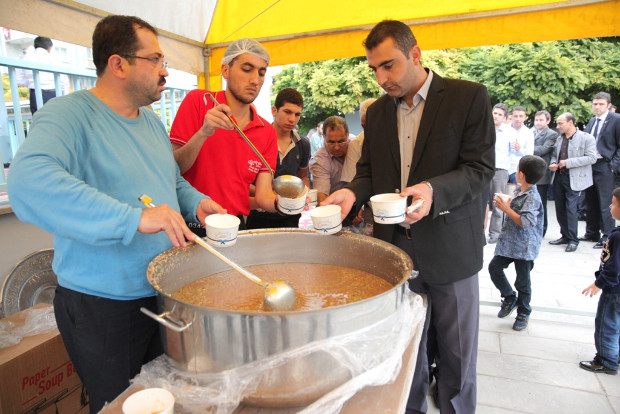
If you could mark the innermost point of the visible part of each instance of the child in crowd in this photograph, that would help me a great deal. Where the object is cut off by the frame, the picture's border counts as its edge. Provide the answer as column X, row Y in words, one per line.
column 607, row 321
column 519, row 240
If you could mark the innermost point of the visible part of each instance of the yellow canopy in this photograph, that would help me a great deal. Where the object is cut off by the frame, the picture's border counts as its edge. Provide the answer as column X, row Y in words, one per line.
column 195, row 33
column 300, row 31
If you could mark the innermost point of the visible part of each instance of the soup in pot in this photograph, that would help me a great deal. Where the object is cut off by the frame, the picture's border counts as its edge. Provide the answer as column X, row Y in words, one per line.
column 316, row 285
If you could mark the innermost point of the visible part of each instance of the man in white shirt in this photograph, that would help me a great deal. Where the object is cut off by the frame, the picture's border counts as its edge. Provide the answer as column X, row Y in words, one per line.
column 503, row 134
column 522, row 141
column 42, row 53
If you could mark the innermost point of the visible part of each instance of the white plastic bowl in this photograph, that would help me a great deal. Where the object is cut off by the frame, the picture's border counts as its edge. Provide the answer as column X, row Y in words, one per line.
column 326, row 219
column 222, row 229
column 149, row 401
column 388, row 208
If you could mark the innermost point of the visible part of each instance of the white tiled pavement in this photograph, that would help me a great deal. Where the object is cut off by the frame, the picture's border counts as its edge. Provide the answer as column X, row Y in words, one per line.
column 536, row 370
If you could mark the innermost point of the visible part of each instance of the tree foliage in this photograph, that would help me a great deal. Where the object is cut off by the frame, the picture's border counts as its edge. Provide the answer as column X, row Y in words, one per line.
column 6, row 88
column 557, row 76
column 330, row 87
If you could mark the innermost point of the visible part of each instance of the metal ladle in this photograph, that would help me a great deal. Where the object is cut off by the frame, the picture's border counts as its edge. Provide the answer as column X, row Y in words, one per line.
column 279, row 295
column 287, row 186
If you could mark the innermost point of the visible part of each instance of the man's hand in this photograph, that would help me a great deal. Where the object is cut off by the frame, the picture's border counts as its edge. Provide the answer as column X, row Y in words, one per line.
column 207, row 207
column 164, row 218
column 418, row 191
column 216, row 118
column 591, row 290
column 344, row 198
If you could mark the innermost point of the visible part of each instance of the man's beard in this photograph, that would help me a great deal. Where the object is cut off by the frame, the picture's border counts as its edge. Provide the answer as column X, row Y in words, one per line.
column 239, row 97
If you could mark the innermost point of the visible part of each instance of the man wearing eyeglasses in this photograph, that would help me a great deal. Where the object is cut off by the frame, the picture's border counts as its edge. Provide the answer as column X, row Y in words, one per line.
column 88, row 157
column 326, row 164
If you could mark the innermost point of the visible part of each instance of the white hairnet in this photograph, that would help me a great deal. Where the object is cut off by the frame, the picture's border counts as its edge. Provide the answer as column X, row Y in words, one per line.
column 245, row 45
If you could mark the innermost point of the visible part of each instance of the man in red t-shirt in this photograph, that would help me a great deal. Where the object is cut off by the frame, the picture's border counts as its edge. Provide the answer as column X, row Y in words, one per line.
column 213, row 156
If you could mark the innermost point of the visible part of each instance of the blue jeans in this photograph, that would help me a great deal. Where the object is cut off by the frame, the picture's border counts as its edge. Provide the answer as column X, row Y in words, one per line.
column 522, row 282
column 607, row 329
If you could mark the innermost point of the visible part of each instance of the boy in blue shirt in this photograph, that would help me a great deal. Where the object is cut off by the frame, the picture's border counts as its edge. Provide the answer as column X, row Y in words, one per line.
column 519, row 241
column 607, row 321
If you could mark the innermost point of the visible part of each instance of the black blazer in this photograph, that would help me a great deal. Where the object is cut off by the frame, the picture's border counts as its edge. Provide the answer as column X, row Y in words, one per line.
column 455, row 152
column 544, row 144
column 608, row 142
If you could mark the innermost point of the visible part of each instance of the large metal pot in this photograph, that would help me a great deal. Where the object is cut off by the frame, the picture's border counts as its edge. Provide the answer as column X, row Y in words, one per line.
column 200, row 339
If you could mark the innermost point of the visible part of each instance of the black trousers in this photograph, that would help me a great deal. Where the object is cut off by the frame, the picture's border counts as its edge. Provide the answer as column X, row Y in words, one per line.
column 566, row 201
column 598, row 198
column 265, row 220
column 107, row 340
column 47, row 95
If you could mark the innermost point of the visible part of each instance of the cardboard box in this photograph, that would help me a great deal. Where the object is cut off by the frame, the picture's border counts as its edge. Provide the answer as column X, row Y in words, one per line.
column 37, row 376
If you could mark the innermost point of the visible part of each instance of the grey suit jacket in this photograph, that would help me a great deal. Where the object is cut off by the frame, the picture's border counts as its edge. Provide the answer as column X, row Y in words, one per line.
column 455, row 152
column 581, row 156
column 544, row 144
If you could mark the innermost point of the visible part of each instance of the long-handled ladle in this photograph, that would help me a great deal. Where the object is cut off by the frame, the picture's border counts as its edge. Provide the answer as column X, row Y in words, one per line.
column 285, row 185
column 279, row 295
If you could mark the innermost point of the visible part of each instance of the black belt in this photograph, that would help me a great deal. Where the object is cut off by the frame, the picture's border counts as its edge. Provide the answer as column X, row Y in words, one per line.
column 404, row 231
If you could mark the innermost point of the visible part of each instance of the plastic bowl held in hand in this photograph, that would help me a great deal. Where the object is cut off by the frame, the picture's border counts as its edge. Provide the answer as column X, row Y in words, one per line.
column 149, row 401
column 313, row 194
column 503, row 196
column 326, row 219
column 222, row 229
column 388, row 208
column 292, row 206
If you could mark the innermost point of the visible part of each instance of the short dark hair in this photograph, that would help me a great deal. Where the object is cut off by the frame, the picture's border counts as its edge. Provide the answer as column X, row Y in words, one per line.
column 519, row 108
column 545, row 113
column 43, row 42
column 289, row 95
column 569, row 117
column 503, row 107
column 401, row 34
column 616, row 193
column 603, row 95
column 116, row 35
column 533, row 168
column 334, row 122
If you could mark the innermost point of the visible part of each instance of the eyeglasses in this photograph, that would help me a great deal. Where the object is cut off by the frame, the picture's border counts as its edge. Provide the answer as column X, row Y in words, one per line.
column 156, row 60
column 331, row 143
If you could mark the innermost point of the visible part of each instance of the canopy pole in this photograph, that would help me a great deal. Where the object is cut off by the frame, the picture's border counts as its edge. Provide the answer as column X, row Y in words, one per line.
column 204, row 81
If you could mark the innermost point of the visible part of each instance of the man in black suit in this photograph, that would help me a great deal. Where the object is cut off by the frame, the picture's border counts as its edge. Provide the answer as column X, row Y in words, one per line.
column 430, row 138
column 544, row 144
column 605, row 128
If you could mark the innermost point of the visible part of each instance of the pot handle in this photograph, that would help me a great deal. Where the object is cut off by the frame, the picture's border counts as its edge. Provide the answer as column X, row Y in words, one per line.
column 165, row 319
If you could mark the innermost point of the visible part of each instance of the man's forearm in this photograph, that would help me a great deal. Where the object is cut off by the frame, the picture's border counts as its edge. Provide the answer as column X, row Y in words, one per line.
column 186, row 155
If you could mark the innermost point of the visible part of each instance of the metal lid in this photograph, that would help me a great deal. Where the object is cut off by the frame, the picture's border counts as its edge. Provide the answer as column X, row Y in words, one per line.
column 31, row 281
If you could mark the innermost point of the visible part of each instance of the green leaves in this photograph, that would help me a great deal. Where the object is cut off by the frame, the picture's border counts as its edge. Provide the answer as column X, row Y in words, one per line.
column 556, row 76
column 330, row 87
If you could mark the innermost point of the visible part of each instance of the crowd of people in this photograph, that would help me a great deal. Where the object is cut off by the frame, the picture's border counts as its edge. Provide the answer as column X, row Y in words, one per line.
column 570, row 164
column 427, row 137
